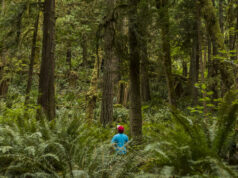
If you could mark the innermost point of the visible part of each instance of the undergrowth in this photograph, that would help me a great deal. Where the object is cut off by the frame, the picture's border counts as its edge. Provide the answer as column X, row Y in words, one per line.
column 174, row 144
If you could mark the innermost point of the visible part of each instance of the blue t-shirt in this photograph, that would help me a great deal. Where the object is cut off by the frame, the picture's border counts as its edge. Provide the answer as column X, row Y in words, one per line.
column 120, row 140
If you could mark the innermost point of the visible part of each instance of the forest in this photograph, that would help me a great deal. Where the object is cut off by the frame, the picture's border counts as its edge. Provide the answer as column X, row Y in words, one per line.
column 72, row 71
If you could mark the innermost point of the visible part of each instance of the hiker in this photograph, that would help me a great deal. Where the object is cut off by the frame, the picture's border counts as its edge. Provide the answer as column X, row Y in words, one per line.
column 119, row 140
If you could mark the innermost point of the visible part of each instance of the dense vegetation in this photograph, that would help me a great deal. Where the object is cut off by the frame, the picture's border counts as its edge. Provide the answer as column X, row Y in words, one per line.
column 71, row 70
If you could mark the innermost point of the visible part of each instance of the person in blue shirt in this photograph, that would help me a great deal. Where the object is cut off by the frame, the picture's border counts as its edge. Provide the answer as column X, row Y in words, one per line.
column 119, row 141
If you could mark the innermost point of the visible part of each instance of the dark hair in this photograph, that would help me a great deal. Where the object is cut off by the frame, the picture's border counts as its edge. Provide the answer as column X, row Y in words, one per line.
column 120, row 131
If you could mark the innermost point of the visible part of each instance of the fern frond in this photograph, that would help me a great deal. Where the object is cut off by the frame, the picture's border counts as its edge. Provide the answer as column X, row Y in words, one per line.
column 226, row 121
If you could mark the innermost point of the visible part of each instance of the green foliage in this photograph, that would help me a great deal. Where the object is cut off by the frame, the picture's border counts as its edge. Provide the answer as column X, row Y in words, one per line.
column 191, row 147
column 34, row 148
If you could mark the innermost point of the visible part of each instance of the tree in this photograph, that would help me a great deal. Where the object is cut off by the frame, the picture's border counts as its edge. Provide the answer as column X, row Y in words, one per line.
column 163, row 10
column 46, row 98
column 134, row 71
column 196, row 53
column 217, row 40
column 107, row 88
column 144, row 20
column 32, row 57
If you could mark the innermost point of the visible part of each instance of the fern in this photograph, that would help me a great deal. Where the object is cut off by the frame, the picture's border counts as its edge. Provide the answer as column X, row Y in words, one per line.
column 191, row 147
column 226, row 122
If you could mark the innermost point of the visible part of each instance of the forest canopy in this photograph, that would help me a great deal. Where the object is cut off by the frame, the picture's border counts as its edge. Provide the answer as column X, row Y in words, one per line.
column 71, row 71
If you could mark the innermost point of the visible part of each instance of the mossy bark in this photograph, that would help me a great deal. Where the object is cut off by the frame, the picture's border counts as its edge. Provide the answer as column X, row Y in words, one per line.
column 84, row 45
column 196, row 54
column 163, row 10
column 106, row 116
column 214, row 31
column 134, row 72
column 32, row 59
column 3, row 81
column 144, row 20
column 92, row 94
column 46, row 98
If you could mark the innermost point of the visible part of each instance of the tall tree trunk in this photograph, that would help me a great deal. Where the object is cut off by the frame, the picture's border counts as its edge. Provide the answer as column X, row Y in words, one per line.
column 46, row 98
column 32, row 59
column 122, row 32
column 193, row 72
column 145, row 83
column 197, row 53
column 232, row 27
column 203, row 69
column 18, row 26
column 221, row 16
column 212, row 23
column 213, row 28
column 85, row 51
column 185, row 68
column 236, row 45
column 107, row 88
column 144, row 20
column 69, row 57
column 164, row 18
column 3, row 7
column 3, row 81
column 134, row 72
column 213, row 3
column 209, row 54
column 91, row 96
column 236, row 37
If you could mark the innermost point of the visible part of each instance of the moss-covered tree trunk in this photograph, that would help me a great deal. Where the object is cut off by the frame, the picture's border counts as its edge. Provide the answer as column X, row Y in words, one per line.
column 221, row 19
column 3, row 80
column 85, row 50
column 106, row 116
column 69, row 57
column 2, row 7
column 196, row 54
column 185, row 68
column 19, row 26
column 232, row 26
column 32, row 59
column 236, row 45
column 163, row 9
column 46, row 98
column 92, row 94
column 134, row 72
column 213, row 28
column 144, row 20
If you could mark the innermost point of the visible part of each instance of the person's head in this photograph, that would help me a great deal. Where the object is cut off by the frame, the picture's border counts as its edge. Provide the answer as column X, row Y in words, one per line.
column 120, row 129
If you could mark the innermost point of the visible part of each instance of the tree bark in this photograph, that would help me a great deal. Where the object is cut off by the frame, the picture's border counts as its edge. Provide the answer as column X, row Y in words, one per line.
column 145, row 83
column 162, row 6
column 213, row 28
column 3, row 81
column 232, row 32
column 185, row 69
column 203, row 69
column 144, row 20
column 18, row 26
column 85, row 51
column 221, row 16
column 69, row 57
column 3, row 7
column 209, row 54
column 46, row 98
column 194, row 70
column 32, row 59
column 106, row 116
column 212, row 23
column 92, row 95
column 134, row 72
